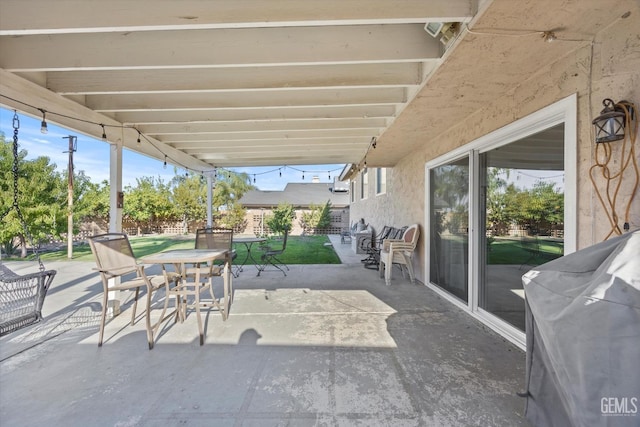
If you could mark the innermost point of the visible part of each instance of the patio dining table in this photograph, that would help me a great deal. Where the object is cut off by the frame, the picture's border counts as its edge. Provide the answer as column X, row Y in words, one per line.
column 180, row 259
column 248, row 243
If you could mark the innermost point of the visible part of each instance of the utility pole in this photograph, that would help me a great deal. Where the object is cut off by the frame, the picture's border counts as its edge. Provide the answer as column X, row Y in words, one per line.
column 72, row 148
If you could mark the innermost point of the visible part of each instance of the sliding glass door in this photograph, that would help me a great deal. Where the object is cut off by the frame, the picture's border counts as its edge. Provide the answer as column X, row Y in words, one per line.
column 449, row 223
column 498, row 207
column 521, row 218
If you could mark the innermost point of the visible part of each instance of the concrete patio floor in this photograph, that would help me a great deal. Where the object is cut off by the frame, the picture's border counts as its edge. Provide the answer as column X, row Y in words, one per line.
column 327, row 345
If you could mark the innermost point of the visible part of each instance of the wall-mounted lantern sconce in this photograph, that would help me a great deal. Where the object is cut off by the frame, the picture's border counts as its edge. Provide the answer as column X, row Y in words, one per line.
column 609, row 125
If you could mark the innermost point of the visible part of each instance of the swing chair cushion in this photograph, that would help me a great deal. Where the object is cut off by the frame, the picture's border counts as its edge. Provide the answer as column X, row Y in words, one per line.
column 21, row 298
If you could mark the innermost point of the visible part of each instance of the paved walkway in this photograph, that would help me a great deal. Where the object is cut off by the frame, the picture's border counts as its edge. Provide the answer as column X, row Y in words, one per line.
column 323, row 346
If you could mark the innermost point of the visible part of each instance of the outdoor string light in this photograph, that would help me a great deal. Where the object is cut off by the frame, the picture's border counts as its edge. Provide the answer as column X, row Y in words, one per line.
column 103, row 126
column 43, row 125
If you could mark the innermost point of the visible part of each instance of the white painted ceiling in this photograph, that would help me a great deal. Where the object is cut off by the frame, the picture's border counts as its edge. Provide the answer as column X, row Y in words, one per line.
column 225, row 82
column 278, row 82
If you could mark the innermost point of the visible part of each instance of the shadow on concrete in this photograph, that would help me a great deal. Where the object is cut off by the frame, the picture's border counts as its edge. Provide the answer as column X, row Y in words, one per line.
column 325, row 345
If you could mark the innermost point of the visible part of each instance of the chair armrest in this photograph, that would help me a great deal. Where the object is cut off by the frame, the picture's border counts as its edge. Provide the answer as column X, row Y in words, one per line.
column 115, row 272
column 386, row 243
column 400, row 246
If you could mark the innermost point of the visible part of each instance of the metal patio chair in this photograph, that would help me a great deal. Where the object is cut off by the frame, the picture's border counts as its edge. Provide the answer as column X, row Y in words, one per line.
column 270, row 256
column 115, row 260
column 216, row 238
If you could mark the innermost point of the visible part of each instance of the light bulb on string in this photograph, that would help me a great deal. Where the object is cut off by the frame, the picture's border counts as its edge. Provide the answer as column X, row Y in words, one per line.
column 104, row 133
column 280, row 171
column 329, row 174
column 138, row 137
column 43, row 125
column 303, row 175
column 165, row 162
column 254, row 178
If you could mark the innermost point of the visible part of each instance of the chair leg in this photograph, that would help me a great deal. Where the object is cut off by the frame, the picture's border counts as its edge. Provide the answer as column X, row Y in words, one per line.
column 103, row 317
column 276, row 265
column 230, row 288
column 280, row 262
column 197, row 304
column 388, row 269
column 227, row 279
column 164, row 310
column 269, row 261
column 148, row 320
column 135, row 306
column 412, row 276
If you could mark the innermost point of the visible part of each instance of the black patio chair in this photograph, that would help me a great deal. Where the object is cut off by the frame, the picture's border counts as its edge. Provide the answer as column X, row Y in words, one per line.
column 372, row 247
column 270, row 256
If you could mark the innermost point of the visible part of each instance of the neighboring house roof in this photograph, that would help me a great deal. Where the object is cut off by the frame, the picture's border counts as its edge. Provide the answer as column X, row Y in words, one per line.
column 300, row 195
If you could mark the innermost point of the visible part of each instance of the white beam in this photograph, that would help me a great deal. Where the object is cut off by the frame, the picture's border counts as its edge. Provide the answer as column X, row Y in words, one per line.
column 288, row 160
column 300, row 135
column 219, row 48
column 22, row 95
column 195, row 80
column 257, row 114
column 203, row 146
column 274, row 156
column 261, row 126
column 20, row 17
column 226, row 100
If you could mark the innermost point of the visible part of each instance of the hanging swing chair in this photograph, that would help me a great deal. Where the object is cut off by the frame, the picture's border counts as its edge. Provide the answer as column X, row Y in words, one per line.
column 21, row 296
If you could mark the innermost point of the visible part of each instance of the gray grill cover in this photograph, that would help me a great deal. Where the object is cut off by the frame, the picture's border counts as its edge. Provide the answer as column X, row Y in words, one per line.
column 583, row 337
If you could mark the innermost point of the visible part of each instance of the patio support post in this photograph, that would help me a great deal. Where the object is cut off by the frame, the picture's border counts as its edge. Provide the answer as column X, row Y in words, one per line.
column 115, row 213
column 211, row 183
column 209, row 200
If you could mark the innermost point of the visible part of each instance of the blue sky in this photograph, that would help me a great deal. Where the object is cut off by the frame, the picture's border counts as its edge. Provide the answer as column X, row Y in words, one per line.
column 92, row 157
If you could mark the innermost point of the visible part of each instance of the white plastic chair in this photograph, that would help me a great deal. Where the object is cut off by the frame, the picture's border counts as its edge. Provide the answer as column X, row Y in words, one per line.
column 399, row 251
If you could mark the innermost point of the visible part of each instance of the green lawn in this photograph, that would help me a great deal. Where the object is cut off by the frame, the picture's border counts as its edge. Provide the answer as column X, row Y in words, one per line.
column 300, row 250
column 511, row 251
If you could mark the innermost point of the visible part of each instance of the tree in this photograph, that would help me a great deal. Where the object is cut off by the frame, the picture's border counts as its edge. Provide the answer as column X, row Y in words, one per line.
column 281, row 218
column 542, row 206
column 188, row 195
column 318, row 217
column 41, row 200
column 89, row 199
column 94, row 200
column 234, row 217
column 496, row 221
column 229, row 189
column 452, row 190
column 148, row 201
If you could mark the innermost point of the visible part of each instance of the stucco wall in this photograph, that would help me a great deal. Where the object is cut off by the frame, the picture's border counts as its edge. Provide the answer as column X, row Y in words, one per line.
column 607, row 68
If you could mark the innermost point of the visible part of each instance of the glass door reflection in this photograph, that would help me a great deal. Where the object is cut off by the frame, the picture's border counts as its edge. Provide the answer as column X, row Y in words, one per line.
column 449, row 261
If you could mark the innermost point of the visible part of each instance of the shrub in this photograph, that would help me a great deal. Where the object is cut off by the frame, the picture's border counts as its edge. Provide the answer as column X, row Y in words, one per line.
column 281, row 218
